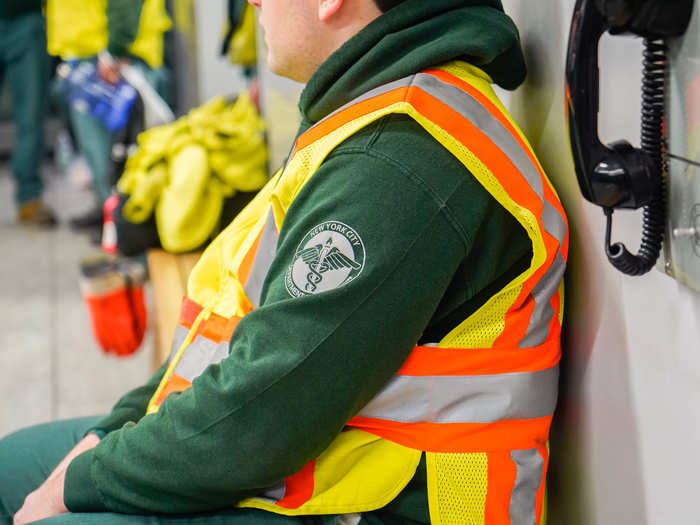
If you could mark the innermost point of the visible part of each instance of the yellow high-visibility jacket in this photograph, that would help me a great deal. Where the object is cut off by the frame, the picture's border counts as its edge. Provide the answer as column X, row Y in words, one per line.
column 78, row 29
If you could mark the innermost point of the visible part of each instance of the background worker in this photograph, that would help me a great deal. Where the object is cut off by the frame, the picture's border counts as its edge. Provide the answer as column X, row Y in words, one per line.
column 375, row 339
column 130, row 30
column 25, row 65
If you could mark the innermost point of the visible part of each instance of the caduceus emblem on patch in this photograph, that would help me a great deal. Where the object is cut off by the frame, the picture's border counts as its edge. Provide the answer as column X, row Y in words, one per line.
column 330, row 256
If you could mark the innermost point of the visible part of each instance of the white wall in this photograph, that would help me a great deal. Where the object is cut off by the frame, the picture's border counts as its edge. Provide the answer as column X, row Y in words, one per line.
column 216, row 74
column 625, row 439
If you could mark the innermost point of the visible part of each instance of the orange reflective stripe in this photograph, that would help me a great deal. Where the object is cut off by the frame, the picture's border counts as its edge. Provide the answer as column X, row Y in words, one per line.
column 332, row 123
column 517, row 318
column 496, row 112
column 500, row 165
column 299, row 487
column 174, row 384
column 460, row 437
column 438, row 361
column 189, row 310
column 501, row 479
column 247, row 263
column 216, row 328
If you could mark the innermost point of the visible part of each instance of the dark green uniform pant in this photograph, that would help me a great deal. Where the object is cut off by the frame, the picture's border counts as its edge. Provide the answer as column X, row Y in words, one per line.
column 28, row 456
column 24, row 64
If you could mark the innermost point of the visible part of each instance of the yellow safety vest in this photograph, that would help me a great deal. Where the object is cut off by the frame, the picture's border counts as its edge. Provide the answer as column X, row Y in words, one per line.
column 479, row 402
column 78, row 29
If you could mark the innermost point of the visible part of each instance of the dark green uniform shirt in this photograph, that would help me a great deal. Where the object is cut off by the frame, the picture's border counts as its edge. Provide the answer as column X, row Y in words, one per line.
column 437, row 246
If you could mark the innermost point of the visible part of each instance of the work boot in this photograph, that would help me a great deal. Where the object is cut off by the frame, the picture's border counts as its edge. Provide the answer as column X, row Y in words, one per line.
column 36, row 213
column 91, row 219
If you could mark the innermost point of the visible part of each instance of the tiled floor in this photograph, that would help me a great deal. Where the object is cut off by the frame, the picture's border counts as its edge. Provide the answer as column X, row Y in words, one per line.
column 50, row 365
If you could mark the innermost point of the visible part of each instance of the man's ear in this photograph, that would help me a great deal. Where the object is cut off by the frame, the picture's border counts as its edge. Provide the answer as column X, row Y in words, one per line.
column 327, row 8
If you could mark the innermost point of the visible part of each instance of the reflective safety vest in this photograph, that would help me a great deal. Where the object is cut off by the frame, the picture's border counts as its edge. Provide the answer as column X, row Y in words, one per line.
column 480, row 401
column 78, row 29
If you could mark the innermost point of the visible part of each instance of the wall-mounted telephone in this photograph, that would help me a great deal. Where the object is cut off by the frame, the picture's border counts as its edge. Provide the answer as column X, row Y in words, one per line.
column 618, row 175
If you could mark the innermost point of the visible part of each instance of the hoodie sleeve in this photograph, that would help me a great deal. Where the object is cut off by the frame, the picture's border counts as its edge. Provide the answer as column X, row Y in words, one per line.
column 301, row 364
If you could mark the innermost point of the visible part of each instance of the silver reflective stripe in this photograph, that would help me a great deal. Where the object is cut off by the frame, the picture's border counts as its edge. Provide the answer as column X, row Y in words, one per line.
column 274, row 493
column 201, row 353
column 267, row 247
column 179, row 338
column 542, row 293
column 472, row 110
column 466, row 399
column 530, row 469
column 556, row 225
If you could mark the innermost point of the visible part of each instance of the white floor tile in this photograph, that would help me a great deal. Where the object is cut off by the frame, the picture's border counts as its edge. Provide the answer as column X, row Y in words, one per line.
column 50, row 364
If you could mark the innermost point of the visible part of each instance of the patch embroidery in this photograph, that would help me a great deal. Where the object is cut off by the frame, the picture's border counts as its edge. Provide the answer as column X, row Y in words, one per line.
column 330, row 256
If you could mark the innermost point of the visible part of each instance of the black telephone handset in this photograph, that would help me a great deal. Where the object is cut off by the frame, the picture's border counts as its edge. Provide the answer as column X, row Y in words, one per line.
column 618, row 175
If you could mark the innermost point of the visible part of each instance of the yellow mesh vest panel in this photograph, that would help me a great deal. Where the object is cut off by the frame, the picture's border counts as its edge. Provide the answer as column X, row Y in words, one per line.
column 457, row 485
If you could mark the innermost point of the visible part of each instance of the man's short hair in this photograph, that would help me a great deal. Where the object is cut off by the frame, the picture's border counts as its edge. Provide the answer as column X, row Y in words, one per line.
column 385, row 5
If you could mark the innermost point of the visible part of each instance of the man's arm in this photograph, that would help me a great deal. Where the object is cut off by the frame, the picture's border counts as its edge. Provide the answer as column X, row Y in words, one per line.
column 299, row 367
column 47, row 500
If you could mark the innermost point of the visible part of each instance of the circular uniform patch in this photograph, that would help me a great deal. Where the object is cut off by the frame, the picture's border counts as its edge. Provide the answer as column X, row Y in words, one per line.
column 328, row 257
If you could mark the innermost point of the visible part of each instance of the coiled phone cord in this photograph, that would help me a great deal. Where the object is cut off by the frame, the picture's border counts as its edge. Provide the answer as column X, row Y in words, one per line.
column 652, row 143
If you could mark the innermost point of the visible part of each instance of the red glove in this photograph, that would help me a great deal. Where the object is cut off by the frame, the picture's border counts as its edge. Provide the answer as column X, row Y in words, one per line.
column 117, row 310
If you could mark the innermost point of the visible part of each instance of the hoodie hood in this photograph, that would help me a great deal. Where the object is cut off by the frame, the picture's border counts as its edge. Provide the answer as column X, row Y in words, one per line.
column 415, row 35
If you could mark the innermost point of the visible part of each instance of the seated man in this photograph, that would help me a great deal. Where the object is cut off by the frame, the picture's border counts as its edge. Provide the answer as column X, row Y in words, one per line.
column 375, row 338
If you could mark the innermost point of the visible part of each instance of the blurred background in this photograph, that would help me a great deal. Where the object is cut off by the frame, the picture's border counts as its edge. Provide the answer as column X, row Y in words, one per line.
column 194, row 66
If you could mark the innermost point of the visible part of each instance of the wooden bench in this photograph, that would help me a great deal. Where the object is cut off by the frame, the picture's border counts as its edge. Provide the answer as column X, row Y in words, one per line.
column 168, row 274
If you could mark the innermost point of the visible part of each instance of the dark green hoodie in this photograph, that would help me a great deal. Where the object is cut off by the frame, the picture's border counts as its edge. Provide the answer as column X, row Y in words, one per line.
column 437, row 247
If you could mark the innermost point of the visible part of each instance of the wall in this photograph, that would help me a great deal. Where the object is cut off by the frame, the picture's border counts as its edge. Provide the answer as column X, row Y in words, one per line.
column 624, row 443
column 216, row 75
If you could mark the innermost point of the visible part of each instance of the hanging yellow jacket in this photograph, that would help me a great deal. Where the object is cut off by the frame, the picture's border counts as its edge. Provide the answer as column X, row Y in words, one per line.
column 78, row 29
column 479, row 401
column 241, row 49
